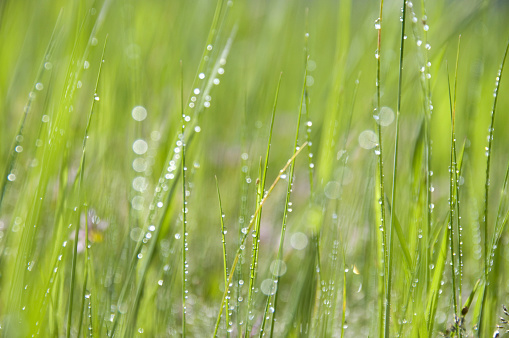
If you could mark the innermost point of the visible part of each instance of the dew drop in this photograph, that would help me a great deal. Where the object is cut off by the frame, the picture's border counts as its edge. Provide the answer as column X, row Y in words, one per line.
column 139, row 113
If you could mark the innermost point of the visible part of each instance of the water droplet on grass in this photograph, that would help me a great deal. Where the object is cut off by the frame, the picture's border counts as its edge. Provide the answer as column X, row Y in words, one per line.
column 377, row 24
column 385, row 117
column 299, row 241
column 368, row 139
column 140, row 147
column 139, row 113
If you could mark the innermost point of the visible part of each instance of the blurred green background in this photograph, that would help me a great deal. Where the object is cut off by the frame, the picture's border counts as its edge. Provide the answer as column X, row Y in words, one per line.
column 49, row 61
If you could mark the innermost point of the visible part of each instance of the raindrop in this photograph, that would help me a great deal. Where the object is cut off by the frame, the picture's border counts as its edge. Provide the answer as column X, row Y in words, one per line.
column 139, row 164
column 140, row 147
column 140, row 184
column 299, row 240
column 368, row 139
column 139, row 113
column 385, row 117
column 377, row 24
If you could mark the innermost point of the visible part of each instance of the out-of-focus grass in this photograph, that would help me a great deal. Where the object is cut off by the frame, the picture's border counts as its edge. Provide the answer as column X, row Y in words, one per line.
column 129, row 200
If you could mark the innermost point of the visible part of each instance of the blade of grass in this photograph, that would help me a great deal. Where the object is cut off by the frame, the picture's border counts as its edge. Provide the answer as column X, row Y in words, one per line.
column 225, row 261
column 184, row 206
column 452, row 192
column 380, row 169
column 395, row 166
column 487, row 187
column 79, row 184
column 434, row 290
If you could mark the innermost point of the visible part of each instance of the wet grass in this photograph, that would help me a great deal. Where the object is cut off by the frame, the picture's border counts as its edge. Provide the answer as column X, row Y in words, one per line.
column 361, row 185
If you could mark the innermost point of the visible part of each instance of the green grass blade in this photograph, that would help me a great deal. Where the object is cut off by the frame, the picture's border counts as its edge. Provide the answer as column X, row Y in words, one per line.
column 79, row 184
column 394, row 179
column 434, row 291
column 225, row 261
column 487, row 185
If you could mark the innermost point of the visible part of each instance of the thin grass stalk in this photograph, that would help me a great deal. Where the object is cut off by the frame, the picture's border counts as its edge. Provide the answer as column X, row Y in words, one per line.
column 379, row 151
column 315, row 231
column 286, row 211
column 457, row 184
column 450, row 226
column 254, row 253
column 261, row 191
column 225, row 261
column 85, row 272
column 79, row 183
column 429, row 173
column 250, row 227
column 347, row 133
column 243, row 214
column 184, row 206
column 487, row 187
column 394, row 176
column 427, row 109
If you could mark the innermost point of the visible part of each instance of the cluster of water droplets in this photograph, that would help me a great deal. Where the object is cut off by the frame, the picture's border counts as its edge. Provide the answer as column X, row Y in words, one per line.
column 140, row 163
column 426, row 66
column 491, row 129
column 309, row 124
column 18, row 146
